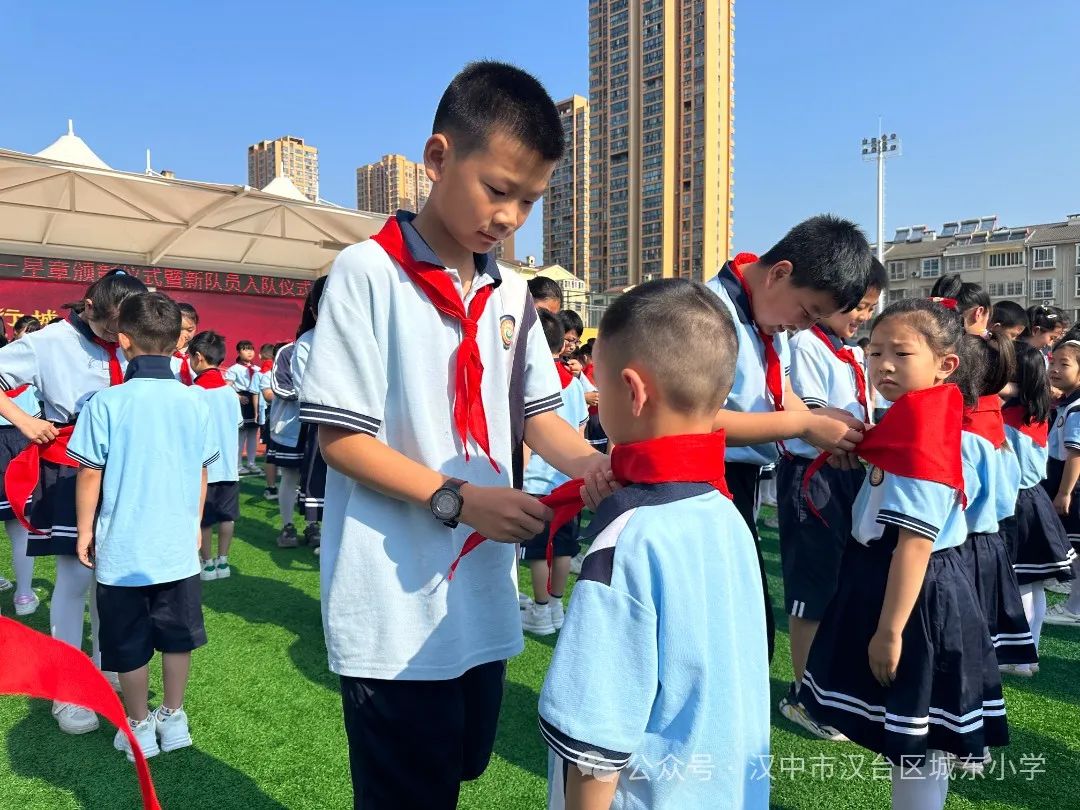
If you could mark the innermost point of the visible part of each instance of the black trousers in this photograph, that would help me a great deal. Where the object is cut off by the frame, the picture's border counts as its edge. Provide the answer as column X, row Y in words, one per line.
column 412, row 743
column 742, row 480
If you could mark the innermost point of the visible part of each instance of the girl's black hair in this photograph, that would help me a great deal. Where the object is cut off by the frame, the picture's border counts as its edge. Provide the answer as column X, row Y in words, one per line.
column 966, row 294
column 240, row 346
column 942, row 329
column 1008, row 314
column 311, row 306
column 26, row 324
column 986, row 365
column 1045, row 319
column 108, row 293
column 1033, row 384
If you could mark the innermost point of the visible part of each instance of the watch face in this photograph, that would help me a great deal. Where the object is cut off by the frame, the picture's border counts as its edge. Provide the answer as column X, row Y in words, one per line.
column 445, row 504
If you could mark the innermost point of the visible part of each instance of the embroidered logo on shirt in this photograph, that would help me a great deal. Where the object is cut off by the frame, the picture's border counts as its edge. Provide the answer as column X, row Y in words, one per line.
column 877, row 475
column 507, row 324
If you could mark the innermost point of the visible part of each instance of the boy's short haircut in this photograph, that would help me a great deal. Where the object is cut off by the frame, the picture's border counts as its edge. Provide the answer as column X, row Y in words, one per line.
column 267, row 351
column 487, row 97
column 210, row 345
column 188, row 311
column 572, row 322
column 682, row 333
column 152, row 321
column 244, row 344
column 1009, row 313
column 545, row 289
column 828, row 254
column 878, row 278
column 553, row 329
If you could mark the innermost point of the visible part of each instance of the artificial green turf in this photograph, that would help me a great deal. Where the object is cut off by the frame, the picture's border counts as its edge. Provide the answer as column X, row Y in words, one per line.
column 266, row 716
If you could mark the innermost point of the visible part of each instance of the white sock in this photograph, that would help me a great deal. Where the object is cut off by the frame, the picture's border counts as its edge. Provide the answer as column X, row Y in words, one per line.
column 23, row 565
column 223, row 560
column 922, row 788
column 288, row 485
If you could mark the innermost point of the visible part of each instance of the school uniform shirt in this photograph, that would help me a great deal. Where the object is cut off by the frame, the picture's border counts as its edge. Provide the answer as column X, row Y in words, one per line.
column 748, row 392
column 540, row 477
column 63, row 363
column 1008, row 481
column 662, row 661
column 1031, row 457
column 381, row 364
column 926, row 508
column 148, row 519
column 243, row 378
column 225, row 422
column 27, row 402
column 1064, row 433
column 301, row 353
column 822, row 380
column 984, row 481
column 285, row 407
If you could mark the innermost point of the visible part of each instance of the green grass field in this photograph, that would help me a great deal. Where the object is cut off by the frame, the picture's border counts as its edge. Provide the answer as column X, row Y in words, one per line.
column 267, row 719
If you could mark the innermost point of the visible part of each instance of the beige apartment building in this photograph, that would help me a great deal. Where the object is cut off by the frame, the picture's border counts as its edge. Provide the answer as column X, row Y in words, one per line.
column 566, row 202
column 1031, row 264
column 285, row 157
column 661, row 98
column 394, row 183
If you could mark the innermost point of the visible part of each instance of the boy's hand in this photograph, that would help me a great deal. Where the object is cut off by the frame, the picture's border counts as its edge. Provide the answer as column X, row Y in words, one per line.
column 599, row 484
column 844, row 461
column 245, row 399
column 1062, row 502
column 592, row 399
column 84, row 549
column 39, row 431
column 884, row 652
column 833, row 430
column 502, row 513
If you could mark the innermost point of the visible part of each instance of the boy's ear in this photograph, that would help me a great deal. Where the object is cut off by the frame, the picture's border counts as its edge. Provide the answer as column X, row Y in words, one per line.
column 636, row 389
column 779, row 271
column 436, row 151
column 124, row 341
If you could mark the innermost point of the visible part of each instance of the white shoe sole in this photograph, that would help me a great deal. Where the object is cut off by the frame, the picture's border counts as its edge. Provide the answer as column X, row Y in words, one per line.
column 184, row 742
column 1062, row 621
column 804, row 721
column 545, row 630
column 224, row 574
column 27, row 609
column 78, row 728
column 205, row 577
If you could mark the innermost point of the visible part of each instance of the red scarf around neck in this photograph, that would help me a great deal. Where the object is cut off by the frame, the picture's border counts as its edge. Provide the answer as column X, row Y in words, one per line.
column 210, row 379
column 918, row 437
column 697, row 458
column 436, row 284
column 565, row 375
column 266, row 365
column 985, row 420
column 845, row 355
column 185, row 367
column 116, row 374
column 1014, row 416
column 774, row 372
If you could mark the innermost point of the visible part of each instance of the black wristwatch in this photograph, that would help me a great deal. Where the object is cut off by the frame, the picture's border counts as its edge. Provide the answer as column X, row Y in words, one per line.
column 446, row 503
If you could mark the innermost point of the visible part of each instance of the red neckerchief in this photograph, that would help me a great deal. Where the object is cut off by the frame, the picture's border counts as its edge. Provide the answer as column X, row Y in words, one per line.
column 918, row 437
column 435, row 283
column 266, row 365
column 697, row 458
column 774, row 372
column 16, row 392
column 589, row 373
column 565, row 375
column 185, row 367
column 210, row 379
column 116, row 374
column 42, row 667
column 24, row 471
column 1014, row 415
column 985, row 420
column 845, row 355
column 250, row 370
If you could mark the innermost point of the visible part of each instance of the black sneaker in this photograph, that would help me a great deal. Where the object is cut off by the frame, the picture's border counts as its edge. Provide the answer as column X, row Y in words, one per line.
column 287, row 538
column 313, row 535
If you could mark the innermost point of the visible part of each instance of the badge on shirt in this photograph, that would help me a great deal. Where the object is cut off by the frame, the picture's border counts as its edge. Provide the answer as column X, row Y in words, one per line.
column 877, row 475
column 507, row 324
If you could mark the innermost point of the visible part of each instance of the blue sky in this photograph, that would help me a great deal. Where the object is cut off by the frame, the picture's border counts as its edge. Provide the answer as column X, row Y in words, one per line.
column 983, row 94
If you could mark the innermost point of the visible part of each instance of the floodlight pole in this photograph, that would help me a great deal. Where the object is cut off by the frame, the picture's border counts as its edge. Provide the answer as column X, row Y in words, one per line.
column 878, row 149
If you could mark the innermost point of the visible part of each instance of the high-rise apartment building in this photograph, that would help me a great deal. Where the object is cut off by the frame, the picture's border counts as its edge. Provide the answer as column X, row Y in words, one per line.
column 285, row 157
column 566, row 201
column 661, row 96
column 394, row 183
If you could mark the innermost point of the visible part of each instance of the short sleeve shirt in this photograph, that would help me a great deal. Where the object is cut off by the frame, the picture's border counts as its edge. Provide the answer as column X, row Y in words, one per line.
column 926, row 508
column 822, row 380
column 1031, row 457
column 540, row 477
column 225, row 419
column 1065, row 432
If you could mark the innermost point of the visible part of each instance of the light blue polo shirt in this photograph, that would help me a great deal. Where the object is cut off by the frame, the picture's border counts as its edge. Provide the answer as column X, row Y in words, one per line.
column 225, row 421
column 986, row 483
column 660, row 671
column 540, row 477
column 381, row 363
column 748, row 392
column 1031, row 457
column 148, row 520
column 263, row 381
column 822, row 380
column 285, row 407
column 27, row 402
column 926, row 508
column 1064, row 433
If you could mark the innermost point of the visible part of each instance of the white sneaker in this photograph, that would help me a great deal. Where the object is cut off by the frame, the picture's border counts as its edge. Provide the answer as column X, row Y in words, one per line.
column 1023, row 670
column 557, row 613
column 537, row 620
column 209, row 571
column 223, row 570
column 5, row 584
column 1064, row 588
column 1059, row 614
column 576, row 561
column 145, row 735
column 173, row 731
column 25, row 605
column 113, row 679
column 74, row 719
column 523, row 601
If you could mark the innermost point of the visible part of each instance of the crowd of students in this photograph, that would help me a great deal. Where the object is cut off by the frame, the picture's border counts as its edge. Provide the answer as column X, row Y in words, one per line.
column 926, row 488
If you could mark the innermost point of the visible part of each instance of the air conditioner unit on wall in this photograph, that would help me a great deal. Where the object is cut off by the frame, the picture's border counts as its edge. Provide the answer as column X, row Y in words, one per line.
column 916, row 273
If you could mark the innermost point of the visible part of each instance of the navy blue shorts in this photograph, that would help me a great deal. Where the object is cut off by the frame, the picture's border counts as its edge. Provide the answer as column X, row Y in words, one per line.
column 136, row 620
column 566, row 543
column 222, row 503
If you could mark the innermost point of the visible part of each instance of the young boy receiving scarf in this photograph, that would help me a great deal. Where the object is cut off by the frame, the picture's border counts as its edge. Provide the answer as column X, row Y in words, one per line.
column 652, row 664
column 421, row 379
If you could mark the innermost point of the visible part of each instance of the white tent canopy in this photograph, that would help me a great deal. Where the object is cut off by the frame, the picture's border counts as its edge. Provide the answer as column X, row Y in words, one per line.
column 50, row 205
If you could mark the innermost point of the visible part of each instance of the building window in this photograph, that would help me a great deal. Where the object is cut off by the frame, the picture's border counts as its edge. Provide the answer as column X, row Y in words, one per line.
column 896, row 271
column 1014, row 258
column 957, row 264
column 931, row 268
column 897, row 295
column 1077, row 287
column 1006, row 289
column 1078, row 255
column 1043, row 258
column 1042, row 288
